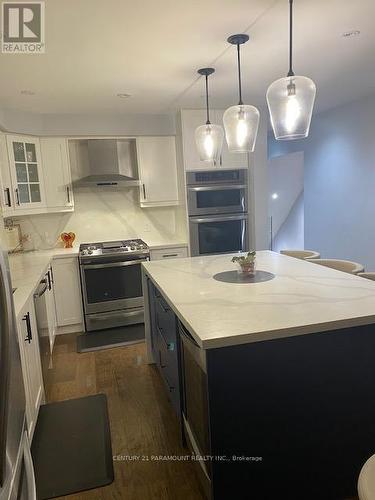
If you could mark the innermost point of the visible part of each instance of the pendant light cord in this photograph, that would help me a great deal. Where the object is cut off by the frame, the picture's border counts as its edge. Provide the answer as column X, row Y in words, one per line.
column 239, row 75
column 291, row 72
column 207, row 105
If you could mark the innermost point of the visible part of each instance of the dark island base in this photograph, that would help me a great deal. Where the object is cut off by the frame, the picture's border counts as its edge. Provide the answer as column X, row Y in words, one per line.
column 305, row 404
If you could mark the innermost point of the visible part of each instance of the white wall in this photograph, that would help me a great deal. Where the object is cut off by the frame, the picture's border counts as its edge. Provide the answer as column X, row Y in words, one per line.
column 339, row 182
column 286, row 181
column 291, row 233
column 259, row 186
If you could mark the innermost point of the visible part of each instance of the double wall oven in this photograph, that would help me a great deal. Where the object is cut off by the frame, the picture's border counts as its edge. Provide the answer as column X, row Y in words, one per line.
column 218, row 211
column 112, row 283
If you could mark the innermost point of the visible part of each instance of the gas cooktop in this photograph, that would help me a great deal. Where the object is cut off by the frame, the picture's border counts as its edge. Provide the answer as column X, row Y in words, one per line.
column 108, row 248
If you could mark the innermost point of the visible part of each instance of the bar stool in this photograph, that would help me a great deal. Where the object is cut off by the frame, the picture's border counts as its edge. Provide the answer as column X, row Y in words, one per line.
column 369, row 276
column 301, row 254
column 346, row 266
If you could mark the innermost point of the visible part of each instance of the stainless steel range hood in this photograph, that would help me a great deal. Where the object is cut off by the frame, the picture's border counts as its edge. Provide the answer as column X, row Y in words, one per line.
column 111, row 162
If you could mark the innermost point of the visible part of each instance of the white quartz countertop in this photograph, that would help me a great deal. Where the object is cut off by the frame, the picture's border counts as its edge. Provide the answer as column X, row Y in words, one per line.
column 303, row 298
column 27, row 269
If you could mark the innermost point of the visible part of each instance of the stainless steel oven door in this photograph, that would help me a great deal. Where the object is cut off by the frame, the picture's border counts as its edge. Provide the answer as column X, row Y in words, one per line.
column 112, row 286
column 214, row 199
column 218, row 234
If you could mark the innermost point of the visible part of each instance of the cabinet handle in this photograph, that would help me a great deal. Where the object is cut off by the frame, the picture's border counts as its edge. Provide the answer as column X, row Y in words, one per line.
column 68, row 193
column 165, row 308
column 221, row 160
column 170, row 255
column 17, row 197
column 8, row 202
column 169, row 345
column 144, row 191
column 29, row 336
column 52, row 277
column 49, row 281
column 160, row 361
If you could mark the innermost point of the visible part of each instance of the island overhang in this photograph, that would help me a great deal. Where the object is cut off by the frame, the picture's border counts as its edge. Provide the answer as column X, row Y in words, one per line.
column 303, row 298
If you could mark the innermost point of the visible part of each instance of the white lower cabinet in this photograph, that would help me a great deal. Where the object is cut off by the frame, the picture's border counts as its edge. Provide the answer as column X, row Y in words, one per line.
column 31, row 363
column 67, row 289
column 169, row 253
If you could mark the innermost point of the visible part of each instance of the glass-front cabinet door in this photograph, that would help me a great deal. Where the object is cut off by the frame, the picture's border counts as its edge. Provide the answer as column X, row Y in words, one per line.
column 26, row 172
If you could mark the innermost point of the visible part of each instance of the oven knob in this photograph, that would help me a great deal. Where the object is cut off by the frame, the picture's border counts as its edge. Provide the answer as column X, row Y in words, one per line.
column 89, row 251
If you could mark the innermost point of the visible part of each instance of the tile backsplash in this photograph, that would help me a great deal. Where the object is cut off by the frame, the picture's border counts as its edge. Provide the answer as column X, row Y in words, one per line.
column 105, row 214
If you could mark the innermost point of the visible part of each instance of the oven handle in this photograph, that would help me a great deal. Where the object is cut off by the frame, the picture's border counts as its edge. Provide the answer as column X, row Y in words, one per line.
column 218, row 187
column 113, row 264
column 220, row 218
column 110, row 315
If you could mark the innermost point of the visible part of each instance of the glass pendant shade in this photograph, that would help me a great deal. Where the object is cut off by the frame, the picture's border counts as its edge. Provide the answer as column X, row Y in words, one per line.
column 241, row 123
column 209, row 141
column 290, row 103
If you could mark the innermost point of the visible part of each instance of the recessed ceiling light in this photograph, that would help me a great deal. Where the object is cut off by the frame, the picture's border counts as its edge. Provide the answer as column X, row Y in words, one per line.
column 122, row 95
column 274, row 196
column 348, row 34
column 27, row 92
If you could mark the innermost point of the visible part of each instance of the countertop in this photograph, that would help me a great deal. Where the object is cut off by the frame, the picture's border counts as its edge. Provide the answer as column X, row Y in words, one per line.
column 28, row 268
column 303, row 298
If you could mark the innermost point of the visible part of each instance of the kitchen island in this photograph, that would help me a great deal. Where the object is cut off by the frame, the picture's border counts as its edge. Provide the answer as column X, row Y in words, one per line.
column 273, row 382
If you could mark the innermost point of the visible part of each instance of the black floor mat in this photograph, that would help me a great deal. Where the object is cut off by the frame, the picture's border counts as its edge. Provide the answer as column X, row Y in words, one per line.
column 113, row 337
column 72, row 447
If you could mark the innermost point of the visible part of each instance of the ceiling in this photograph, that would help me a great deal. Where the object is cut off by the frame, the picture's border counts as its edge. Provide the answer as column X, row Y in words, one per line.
column 151, row 49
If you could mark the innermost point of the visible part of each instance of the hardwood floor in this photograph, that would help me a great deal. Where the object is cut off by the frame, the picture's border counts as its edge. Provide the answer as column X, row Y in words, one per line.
column 142, row 421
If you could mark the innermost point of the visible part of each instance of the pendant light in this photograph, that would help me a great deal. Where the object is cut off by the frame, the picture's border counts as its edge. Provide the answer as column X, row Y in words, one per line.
column 209, row 137
column 291, row 99
column 241, row 122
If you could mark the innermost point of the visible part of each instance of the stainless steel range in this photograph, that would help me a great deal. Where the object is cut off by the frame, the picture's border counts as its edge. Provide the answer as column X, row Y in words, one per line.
column 111, row 283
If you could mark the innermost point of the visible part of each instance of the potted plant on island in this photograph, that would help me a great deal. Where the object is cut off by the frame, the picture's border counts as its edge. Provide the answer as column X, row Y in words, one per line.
column 246, row 263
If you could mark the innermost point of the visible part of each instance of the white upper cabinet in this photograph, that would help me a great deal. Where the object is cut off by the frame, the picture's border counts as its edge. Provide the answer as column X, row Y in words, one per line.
column 6, row 191
column 26, row 173
column 190, row 120
column 157, row 167
column 58, row 181
column 34, row 175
